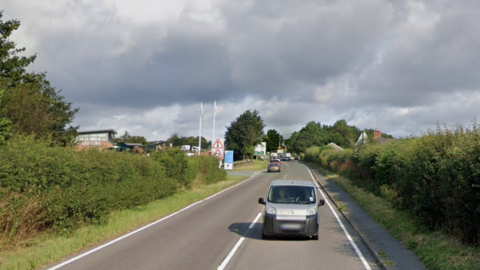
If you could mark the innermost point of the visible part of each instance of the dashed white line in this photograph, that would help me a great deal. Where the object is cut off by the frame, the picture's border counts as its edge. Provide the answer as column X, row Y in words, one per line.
column 349, row 237
column 237, row 245
column 144, row 227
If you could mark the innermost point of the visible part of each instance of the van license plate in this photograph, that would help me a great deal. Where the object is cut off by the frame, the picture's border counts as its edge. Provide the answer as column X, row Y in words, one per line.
column 290, row 226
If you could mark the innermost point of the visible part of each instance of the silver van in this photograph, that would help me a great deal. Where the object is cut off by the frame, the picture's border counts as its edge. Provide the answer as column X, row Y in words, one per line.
column 291, row 209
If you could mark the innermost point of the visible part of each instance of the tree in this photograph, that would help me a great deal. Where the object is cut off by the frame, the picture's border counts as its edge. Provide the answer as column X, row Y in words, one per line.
column 12, row 66
column 273, row 138
column 32, row 105
column 344, row 135
column 176, row 140
column 313, row 134
column 243, row 133
column 5, row 124
column 127, row 138
column 292, row 142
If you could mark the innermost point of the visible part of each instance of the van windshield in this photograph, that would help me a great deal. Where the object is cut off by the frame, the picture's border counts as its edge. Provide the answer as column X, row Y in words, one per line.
column 292, row 195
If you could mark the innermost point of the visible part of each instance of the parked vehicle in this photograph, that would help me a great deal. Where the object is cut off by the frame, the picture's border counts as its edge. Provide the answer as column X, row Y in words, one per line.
column 291, row 209
column 185, row 147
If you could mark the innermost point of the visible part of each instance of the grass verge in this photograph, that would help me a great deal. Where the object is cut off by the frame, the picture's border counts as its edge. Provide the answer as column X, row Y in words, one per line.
column 436, row 250
column 47, row 249
column 256, row 165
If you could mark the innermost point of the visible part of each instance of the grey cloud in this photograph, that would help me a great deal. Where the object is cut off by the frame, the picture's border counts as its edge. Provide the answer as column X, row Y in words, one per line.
column 399, row 66
column 282, row 46
column 418, row 65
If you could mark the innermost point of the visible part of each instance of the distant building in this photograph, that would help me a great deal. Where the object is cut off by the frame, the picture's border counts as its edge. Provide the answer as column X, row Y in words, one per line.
column 155, row 146
column 377, row 135
column 336, row 147
column 362, row 140
column 140, row 148
column 99, row 139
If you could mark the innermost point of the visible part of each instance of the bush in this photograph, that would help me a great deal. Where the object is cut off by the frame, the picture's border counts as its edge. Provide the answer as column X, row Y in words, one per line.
column 175, row 164
column 44, row 188
column 435, row 177
column 58, row 189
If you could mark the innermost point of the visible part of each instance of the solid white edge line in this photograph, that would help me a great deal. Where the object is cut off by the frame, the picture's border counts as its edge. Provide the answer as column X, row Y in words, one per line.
column 237, row 245
column 349, row 237
column 144, row 227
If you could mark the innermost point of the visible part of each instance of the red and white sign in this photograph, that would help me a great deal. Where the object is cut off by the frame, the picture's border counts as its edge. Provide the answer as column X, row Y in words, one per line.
column 218, row 154
column 218, row 149
column 218, row 144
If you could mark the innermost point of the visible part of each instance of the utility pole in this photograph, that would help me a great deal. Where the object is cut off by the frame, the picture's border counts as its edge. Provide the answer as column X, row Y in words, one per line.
column 200, row 132
column 214, row 114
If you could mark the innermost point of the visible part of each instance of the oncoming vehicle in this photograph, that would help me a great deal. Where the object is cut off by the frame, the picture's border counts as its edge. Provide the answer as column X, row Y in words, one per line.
column 291, row 209
column 273, row 167
column 277, row 161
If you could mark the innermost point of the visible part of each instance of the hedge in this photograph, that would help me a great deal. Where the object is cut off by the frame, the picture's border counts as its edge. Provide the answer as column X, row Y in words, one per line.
column 436, row 177
column 57, row 189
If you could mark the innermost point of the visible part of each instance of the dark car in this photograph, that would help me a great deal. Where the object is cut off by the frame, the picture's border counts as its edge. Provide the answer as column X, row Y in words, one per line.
column 273, row 167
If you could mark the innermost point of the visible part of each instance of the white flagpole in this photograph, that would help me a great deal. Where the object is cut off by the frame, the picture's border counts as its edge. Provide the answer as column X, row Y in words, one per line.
column 200, row 132
column 214, row 114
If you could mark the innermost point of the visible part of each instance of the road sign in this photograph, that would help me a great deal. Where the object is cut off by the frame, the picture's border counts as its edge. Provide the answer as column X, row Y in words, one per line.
column 218, row 154
column 218, row 149
column 228, row 160
column 218, row 144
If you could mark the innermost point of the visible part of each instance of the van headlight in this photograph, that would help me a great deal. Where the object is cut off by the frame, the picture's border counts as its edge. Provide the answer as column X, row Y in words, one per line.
column 312, row 211
column 270, row 210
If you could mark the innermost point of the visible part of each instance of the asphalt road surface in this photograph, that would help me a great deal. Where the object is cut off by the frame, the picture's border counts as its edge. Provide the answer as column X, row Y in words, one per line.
column 224, row 232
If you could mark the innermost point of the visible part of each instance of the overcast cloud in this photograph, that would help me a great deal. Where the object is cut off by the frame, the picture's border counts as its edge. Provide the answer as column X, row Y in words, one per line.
column 145, row 66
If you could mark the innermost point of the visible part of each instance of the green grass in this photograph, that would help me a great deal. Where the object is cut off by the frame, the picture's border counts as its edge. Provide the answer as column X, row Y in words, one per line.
column 256, row 165
column 436, row 250
column 47, row 249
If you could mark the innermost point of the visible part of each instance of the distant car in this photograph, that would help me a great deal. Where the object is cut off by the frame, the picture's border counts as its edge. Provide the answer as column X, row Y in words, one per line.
column 273, row 167
column 185, row 147
column 291, row 209
column 277, row 161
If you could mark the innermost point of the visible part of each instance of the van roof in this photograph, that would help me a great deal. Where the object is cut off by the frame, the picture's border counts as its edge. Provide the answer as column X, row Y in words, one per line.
column 292, row 183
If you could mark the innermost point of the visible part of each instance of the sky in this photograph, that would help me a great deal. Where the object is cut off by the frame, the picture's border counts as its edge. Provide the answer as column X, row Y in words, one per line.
column 144, row 66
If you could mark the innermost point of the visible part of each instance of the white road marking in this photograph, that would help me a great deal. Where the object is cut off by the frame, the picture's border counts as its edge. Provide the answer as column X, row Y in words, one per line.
column 237, row 245
column 349, row 237
column 144, row 227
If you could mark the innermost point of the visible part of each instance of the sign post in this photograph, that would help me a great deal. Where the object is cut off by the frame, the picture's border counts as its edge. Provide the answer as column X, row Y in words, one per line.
column 218, row 149
column 228, row 160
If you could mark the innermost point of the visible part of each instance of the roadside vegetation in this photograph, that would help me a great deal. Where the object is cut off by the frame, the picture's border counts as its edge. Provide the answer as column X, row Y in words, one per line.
column 47, row 248
column 425, row 190
column 255, row 165
column 436, row 250
column 54, row 189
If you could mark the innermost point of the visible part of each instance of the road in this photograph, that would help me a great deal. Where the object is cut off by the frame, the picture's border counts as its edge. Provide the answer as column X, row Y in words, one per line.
column 224, row 232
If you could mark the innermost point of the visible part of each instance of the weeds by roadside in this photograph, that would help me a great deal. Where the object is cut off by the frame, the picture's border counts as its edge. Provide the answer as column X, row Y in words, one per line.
column 436, row 250
column 48, row 248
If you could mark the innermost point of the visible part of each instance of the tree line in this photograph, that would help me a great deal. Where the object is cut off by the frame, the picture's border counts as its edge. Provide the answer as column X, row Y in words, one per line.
column 246, row 131
column 29, row 104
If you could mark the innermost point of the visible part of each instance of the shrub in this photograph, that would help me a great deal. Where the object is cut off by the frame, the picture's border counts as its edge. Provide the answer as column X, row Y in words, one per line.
column 175, row 164
column 58, row 189
column 436, row 177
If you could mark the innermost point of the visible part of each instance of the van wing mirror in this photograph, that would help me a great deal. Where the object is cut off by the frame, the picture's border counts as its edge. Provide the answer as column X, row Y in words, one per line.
column 321, row 202
column 261, row 201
